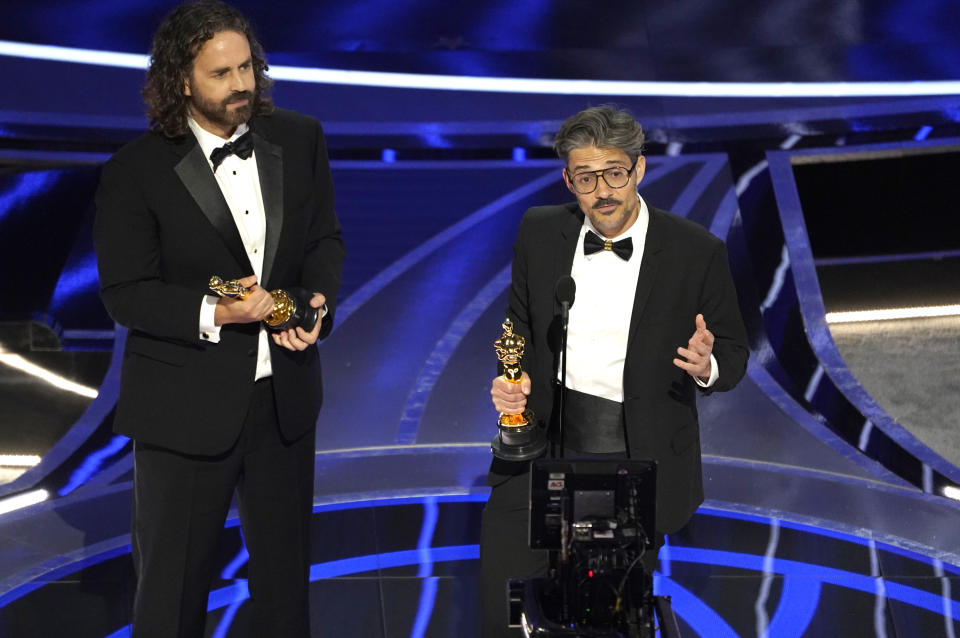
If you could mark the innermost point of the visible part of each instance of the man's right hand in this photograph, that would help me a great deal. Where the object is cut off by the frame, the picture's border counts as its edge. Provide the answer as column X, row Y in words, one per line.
column 254, row 307
column 509, row 397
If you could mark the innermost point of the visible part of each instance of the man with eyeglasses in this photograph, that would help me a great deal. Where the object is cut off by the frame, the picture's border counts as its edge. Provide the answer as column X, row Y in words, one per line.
column 655, row 320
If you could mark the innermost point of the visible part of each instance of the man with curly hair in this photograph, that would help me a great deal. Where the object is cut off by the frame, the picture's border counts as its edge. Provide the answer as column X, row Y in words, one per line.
column 223, row 184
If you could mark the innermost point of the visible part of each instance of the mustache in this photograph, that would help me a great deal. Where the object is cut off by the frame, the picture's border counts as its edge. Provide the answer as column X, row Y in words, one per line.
column 239, row 96
column 610, row 201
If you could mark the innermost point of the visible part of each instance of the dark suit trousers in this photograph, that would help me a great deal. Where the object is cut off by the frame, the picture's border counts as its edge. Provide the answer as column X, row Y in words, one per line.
column 505, row 551
column 180, row 505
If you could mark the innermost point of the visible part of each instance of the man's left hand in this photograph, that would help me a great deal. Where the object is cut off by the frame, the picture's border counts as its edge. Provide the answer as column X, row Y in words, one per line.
column 298, row 338
column 697, row 352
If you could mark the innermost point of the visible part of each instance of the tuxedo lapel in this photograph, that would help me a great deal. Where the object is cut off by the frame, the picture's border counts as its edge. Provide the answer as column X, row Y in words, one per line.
column 194, row 171
column 652, row 249
column 270, row 167
column 567, row 246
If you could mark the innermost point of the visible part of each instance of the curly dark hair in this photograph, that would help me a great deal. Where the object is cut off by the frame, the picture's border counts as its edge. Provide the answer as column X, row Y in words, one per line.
column 175, row 46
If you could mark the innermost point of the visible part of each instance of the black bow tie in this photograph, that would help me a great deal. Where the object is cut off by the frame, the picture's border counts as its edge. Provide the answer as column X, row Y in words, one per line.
column 592, row 243
column 242, row 147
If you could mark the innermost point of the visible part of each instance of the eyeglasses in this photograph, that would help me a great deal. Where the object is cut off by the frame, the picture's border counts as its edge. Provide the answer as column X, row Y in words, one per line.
column 615, row 177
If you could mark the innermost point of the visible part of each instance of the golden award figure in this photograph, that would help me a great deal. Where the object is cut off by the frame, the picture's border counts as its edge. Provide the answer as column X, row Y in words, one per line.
column 291, row 308
column 519, row 437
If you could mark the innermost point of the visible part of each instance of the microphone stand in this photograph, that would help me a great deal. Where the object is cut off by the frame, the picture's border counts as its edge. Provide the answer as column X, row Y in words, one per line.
column 564, row 320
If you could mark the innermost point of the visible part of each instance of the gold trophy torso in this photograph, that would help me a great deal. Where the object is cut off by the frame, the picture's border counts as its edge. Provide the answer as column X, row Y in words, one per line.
column 509, row 349
column 519, row 438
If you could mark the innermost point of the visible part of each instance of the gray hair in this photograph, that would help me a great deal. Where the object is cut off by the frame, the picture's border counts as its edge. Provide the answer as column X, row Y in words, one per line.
column 601, row 126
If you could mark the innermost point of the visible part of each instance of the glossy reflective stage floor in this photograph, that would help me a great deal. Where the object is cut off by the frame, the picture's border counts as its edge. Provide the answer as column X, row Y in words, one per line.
column 410, row 566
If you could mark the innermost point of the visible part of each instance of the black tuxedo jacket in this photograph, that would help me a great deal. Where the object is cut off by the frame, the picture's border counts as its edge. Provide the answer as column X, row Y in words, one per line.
column 684, row 272
column 162, row 229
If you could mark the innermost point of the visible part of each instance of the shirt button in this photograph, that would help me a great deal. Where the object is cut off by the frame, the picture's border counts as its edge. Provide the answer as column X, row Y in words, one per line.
column 254, row 251
column 234, row 172
column 246, row 212
column 204, row 335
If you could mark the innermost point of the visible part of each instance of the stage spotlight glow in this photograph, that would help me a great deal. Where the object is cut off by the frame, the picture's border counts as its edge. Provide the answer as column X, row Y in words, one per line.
column 19, row 460
column 893, row 313
column 350, row 77
column 19, row 363
column 951, row 492
column 23, row 500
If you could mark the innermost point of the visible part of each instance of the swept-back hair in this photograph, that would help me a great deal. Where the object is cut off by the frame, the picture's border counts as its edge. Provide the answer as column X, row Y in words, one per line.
column 176, row 43
column 603, row 127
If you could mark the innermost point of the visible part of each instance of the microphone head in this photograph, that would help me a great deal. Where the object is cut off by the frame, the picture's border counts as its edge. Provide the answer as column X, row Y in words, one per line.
column 566, row 290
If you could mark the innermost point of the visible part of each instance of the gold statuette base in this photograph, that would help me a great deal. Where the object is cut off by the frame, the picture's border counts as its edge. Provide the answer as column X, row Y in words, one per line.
column 519, row 438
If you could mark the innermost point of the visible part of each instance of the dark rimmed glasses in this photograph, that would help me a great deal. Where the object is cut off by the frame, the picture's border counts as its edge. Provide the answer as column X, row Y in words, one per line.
column 615, row 177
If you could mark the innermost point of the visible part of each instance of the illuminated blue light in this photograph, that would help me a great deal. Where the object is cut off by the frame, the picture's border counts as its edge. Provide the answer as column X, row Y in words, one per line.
column 833, row 576
column 226, row 620
column 371, row 562
column 696, row 613
column 230, row 571
column 25, row 186
column 482, row 497
column 431, row 136
column 428, row 591
column 388, row 155
column 822, row 531
column 518, row 85
column 798, row 604
column 75, row 280
column 430, row 514
column 428, row 595
column 238, row 592
column 92, row 463
column 798, row 599
column 234, row 593
column 923, row 133
column 519, row 154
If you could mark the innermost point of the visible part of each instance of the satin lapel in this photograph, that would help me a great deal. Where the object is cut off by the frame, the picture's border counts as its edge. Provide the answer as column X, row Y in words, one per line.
column 563, row 257
column 195, row 173
column 652, row 249
column 270, row 168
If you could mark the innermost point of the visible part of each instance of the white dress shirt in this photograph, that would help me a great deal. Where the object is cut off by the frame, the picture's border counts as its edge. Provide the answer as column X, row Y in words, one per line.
column 599, row 324
column 239, row 182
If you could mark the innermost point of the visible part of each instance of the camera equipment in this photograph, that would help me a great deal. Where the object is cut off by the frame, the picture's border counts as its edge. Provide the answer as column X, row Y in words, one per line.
column 597, row 519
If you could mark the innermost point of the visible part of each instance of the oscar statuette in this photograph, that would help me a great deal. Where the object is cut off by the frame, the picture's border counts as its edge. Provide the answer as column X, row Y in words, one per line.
column 291, row 307
column 519, row 437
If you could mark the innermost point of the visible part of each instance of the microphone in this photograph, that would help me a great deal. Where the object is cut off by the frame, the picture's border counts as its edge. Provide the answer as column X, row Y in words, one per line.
column 566, row 292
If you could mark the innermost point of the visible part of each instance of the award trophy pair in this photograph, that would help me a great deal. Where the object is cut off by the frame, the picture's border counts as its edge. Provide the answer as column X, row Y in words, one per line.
column 291, row 308
column 519, row 437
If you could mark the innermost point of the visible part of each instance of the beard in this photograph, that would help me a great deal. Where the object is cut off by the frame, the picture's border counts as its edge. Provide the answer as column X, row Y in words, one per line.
column 220, row 114
column 615, row 221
